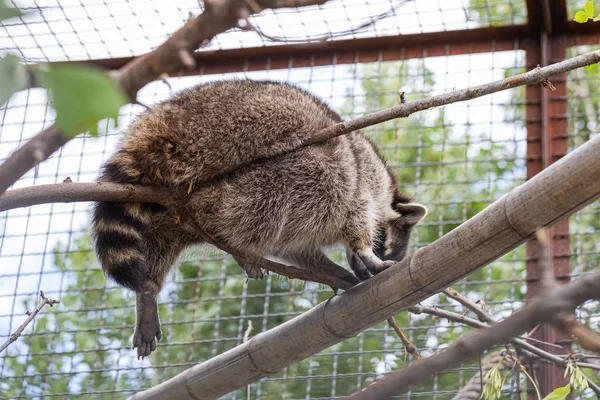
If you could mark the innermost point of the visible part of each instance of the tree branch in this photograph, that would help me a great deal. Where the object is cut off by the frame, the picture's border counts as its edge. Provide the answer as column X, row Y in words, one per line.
column 92, row 191
column 31, row 316
column 543, row 309
column 173, row 54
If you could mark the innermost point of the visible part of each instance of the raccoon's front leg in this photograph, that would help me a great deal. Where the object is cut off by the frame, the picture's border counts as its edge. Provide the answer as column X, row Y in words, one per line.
column 147, row 327
column 358, row 266
column 373, row 263
column 316, row 259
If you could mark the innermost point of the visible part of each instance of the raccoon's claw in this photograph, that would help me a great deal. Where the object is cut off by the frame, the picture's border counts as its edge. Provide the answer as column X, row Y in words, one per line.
column 145, row 338
column 254, row 272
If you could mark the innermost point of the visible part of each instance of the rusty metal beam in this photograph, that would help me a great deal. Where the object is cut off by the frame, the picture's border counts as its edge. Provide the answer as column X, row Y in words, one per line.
column 547, row 142
column 558, row 15
column 480, row 40
column 400, row 47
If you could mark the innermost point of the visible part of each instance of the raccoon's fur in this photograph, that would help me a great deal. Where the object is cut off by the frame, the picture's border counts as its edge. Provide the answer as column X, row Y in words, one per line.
column 288, row 207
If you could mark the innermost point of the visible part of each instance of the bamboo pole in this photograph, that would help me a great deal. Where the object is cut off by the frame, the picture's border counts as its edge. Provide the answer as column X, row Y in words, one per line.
column 554, row 194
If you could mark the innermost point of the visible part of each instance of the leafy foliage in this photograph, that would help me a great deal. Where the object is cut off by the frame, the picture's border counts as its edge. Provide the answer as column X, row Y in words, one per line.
column 559, row 393
column 81, row 96
column 12, row 75
column 587, row 13
column 7, row 12
column 493, row 382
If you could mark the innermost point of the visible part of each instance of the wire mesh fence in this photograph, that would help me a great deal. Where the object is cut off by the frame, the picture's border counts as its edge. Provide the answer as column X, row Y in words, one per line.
column 456, row 160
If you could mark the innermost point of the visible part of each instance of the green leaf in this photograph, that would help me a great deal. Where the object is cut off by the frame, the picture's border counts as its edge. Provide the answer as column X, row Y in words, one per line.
column 81, row 96
column 12, row 75
column 589, row 8
column 581, row 17
column 7, row 12
column 560, row 393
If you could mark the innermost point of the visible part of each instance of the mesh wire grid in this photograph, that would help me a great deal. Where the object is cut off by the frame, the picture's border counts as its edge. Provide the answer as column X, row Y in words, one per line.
column 456, row 160
column 54, row 30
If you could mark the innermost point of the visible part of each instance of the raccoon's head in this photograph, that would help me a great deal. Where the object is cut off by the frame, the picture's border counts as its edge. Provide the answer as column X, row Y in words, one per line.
column 393, row 239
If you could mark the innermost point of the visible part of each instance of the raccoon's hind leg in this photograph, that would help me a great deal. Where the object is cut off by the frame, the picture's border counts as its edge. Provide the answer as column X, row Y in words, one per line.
column 147, row 325
column 137, row 245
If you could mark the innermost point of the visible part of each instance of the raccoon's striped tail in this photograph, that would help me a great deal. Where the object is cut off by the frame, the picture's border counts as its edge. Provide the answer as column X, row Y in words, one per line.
column 118, row 231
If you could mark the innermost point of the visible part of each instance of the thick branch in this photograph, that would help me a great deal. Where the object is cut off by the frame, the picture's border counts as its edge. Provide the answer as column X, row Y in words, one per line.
column 173, row 54
column 544, row 309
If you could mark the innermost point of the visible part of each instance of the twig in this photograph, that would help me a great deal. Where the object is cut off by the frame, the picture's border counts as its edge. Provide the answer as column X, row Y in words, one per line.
column 588, row 339
column 405, row 341
column 516, row 341
column 544, row 308
column 31, row 316
column 545, row 260
column 321, row 38
column 468, row 304
column 245, row 339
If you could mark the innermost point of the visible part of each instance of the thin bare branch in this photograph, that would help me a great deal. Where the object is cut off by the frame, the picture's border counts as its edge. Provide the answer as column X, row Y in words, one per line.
column 31, row 315
column 544, row 308
column 545, row 260
column 146, row 68
column 246, row 336
column 468, row 304
column 519, row 342
column 410, row 348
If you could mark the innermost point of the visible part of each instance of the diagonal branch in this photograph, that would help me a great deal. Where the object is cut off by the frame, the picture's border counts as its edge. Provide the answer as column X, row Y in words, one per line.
column 544, row 309
column 44, row 144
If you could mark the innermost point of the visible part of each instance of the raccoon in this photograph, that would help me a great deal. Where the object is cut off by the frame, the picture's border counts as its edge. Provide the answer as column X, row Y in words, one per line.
column 288, row 207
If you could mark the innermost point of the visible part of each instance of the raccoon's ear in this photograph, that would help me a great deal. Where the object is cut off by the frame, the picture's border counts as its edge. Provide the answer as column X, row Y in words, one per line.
column 412, row 213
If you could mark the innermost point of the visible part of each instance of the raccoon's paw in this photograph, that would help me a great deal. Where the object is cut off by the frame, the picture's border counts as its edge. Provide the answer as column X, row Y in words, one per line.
column 372, row 262
column 145, row 337
column 361, row 272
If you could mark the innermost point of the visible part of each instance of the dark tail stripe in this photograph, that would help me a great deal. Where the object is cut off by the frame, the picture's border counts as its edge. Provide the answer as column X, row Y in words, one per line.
column 115, row 213
column 130, row 270
column 117, row 240
column 130, row 273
